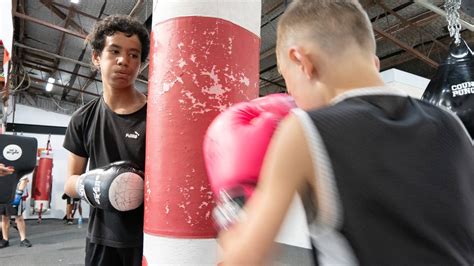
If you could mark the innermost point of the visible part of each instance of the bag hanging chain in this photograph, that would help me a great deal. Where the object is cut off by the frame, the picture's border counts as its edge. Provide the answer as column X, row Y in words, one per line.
column 452, row 16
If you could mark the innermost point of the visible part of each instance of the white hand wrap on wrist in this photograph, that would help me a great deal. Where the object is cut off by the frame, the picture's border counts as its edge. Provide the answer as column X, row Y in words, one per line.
column 80, row 189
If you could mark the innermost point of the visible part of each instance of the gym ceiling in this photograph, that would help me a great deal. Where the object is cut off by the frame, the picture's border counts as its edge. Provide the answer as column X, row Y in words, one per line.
column 49, row 42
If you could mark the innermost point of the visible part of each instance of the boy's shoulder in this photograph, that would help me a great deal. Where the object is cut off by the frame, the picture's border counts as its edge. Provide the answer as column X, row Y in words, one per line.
column 88, row 108
column 85, row 112
column 364, row 105
column 362, row 102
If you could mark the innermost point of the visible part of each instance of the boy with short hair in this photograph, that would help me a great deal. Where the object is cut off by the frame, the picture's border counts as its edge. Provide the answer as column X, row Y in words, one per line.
column 98, row 133
column 385, row 179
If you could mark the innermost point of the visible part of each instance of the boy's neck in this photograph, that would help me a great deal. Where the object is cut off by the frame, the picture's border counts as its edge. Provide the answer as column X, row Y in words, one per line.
column 123, row 100
column 358, row 76
column 360, row 81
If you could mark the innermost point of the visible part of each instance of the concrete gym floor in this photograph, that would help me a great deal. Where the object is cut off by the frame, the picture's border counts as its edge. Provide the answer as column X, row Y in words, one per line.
column 54, row 243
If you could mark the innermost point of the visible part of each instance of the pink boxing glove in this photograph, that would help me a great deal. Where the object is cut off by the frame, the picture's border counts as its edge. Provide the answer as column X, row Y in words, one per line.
column 234, row 148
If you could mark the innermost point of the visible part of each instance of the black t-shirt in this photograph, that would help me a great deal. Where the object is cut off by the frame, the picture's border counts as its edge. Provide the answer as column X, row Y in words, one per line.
column 97, row 133
column 8, row 185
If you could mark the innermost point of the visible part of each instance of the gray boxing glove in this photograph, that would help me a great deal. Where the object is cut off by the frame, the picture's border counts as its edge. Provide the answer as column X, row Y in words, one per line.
column 117, row 186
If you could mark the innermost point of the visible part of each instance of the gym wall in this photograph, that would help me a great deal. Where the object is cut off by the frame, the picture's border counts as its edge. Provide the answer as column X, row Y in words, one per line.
column 33, row 122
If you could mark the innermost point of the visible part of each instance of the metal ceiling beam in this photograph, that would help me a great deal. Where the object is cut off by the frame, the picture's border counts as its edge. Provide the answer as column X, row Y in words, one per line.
column 64, row 58
column 426, row 59
column 29, row 99
column 406, row 47
column 52, row 55
column 403, row 57
column 88, row 83
column 63, row 86
column 77, row 11
column 441, row 12
column 271, row 7
column 59, row 51
column 49, row 25
column 76, row 69
column 143, row 67
column 268, row 52
column 72, row 28
column 47, row 101
column 396, row 28
column 268, row 84
column 385, row 62
column 136, row 8
column 61, row 15
column 37, row 56
column 418, row 21
column 267, row 69
column 398, row 8
column 30, row 63
column 67, row 21
column 37, row 67
column 273, row 82
column 407, row 23
column 21, row 31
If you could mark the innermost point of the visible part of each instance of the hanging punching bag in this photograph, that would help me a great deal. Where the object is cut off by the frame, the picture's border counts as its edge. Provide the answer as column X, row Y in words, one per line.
column 453, row 84
column 43, row 182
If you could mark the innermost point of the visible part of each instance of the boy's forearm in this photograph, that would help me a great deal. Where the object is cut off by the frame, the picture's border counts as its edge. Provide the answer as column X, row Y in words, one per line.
column 23, row 182
column 70, row 186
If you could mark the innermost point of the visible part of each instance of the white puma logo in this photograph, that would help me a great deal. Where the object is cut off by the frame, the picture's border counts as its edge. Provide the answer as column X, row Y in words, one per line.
column 132, row 135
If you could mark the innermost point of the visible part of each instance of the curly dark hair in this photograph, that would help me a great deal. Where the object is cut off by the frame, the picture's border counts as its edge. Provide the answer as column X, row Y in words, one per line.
column 121, row 23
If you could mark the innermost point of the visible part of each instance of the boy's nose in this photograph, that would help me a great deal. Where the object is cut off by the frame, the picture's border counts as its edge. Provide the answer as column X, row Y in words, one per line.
column 122, row 60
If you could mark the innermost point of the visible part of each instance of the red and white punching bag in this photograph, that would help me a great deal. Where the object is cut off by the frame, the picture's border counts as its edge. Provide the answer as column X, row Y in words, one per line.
column 42, row 182
column 204, row 58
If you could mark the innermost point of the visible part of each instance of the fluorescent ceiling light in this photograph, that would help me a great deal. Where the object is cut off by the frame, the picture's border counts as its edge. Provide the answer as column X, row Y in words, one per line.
column 75, row 1
column 49, row 86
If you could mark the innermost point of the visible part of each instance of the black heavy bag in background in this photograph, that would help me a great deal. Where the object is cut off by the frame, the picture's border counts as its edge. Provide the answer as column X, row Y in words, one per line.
column 19, row 152
column 453, row 84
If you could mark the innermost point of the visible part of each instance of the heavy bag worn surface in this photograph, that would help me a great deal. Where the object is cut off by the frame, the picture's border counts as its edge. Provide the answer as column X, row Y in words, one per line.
column 453, row 84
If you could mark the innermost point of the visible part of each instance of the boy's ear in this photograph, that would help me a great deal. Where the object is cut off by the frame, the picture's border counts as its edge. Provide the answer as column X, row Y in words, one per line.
column 377, row 62
column 302, row 60
column 95, row 59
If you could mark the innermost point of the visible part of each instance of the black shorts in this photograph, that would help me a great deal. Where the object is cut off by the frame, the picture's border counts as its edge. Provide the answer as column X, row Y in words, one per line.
column 8, row 209
column 68, row 199
column 103, row 255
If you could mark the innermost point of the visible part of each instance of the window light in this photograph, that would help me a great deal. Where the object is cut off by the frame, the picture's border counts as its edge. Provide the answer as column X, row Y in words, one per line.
column 49, row 86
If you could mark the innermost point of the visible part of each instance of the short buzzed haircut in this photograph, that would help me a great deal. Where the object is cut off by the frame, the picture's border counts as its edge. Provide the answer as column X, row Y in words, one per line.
column 332, row 24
